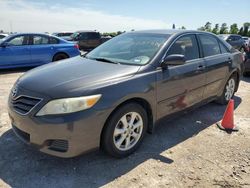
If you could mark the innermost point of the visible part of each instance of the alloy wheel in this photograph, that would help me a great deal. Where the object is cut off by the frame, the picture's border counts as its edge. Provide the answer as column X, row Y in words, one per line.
column 230, row 88
column 128, row 131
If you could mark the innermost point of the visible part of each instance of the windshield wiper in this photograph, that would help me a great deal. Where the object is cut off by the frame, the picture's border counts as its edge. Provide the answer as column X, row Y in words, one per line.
column 105, row 60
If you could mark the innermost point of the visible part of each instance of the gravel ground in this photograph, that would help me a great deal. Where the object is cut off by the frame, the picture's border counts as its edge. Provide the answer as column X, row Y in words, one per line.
column 189, row 151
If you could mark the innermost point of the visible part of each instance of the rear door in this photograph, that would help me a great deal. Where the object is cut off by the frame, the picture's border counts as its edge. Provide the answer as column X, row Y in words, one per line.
column 16, row 53
column 41, row 50
column 217, row 60
column 181, row 86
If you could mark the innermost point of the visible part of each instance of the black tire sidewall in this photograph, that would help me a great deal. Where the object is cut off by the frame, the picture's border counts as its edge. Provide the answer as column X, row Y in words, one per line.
column 107, row 137
column 60, row 55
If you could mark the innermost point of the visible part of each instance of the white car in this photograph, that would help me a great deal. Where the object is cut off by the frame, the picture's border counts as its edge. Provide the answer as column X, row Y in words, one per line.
column 2, row 35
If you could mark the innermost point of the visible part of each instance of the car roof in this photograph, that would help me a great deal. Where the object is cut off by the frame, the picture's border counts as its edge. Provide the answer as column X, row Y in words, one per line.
column 65, row 32
column 87, row 31
column 230, row 35
column 30, row 34
column 44, row 34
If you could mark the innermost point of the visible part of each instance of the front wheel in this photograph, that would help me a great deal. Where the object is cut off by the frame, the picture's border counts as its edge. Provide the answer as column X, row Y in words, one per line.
column 229, row 90
column 125, row 130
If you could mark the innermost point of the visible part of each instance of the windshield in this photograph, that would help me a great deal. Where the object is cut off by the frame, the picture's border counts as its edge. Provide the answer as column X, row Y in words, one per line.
column 131, row 48
column 4, row 39
column 74, row 35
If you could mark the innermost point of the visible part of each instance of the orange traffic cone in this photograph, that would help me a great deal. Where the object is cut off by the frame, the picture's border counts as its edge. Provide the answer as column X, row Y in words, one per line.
column 227, row 122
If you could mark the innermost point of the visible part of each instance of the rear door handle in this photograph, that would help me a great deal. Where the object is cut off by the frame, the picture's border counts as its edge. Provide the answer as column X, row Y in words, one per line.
column 201, row 67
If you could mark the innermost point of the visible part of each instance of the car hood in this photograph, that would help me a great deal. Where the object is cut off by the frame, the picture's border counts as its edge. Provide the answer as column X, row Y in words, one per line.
column 70, row 76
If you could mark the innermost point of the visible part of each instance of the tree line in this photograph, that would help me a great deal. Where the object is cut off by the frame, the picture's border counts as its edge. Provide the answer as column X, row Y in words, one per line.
column 244, row 30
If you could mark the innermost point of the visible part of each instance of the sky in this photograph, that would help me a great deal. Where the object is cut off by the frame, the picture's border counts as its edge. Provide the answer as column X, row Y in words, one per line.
column 117, row 15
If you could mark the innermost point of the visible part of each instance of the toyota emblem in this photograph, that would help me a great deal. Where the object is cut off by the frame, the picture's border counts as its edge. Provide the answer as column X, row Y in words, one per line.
column 14, row 92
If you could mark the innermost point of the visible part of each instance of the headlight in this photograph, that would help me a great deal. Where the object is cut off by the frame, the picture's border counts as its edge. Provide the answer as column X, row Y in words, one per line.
column 68, row 105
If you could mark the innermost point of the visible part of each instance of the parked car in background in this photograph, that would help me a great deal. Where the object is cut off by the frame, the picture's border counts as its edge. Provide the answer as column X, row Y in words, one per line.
column 247, row 64
column 87, row 40
column 118, row 92
column 64, row 35
column 33, row 49
column 235, row 41
column 105, row 38
column 247, row 41
column 2, row 35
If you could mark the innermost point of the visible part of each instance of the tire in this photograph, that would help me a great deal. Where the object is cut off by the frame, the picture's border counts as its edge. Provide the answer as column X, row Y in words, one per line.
column 60, row 56
column 120, row 137
column 229, row 90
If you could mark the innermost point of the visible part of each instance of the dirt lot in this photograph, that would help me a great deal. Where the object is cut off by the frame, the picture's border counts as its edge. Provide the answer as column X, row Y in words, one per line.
column 189, row 151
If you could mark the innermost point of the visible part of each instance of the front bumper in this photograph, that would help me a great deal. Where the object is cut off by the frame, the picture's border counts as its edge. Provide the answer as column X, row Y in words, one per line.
column 63, row 136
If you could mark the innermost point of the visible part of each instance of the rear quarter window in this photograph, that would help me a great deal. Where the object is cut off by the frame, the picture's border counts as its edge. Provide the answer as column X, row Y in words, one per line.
column 53, row 40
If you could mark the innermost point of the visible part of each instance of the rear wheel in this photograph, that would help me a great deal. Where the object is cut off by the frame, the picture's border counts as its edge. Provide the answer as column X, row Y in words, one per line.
column 229, row 90
column 125, row 130
column 60, row 56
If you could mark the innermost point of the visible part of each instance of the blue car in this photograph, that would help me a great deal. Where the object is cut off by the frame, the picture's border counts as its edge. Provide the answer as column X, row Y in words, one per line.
column 32, row 49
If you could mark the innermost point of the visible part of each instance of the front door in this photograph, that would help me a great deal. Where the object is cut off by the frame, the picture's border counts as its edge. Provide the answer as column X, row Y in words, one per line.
column 182, row 86
column 16, row 52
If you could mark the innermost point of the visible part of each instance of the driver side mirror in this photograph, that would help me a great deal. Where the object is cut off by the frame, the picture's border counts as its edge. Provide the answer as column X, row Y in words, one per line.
column 175, row 59
column 5, row 44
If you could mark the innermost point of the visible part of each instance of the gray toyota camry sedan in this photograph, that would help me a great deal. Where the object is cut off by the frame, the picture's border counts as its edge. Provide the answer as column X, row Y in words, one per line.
column 116, row 93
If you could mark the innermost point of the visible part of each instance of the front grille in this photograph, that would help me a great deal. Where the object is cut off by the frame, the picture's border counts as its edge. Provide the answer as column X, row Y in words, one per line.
column 21, row 134
column 24, row 104
column 59, row 145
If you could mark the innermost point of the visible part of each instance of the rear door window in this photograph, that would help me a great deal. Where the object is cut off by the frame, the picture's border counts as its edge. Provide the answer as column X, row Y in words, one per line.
column 210, row 45
column 83, row 36
column 40, row 40
column 93, row 36
column 187, row 46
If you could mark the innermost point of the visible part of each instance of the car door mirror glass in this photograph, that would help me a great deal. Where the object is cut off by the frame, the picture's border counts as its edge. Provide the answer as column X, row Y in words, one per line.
column 174, row 59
